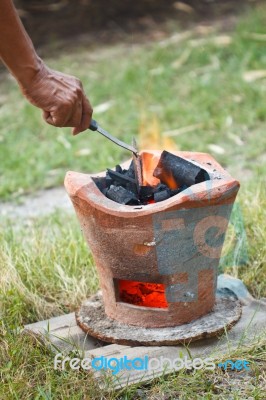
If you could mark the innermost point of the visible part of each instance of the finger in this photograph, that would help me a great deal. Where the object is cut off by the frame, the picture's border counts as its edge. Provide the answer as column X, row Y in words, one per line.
column 76, row 117
column 57, row 117
column 86, row 116
column 45, row 115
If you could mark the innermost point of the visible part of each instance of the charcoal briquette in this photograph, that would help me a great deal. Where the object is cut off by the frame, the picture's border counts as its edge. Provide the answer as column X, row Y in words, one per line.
column 163, row 195
column 119, row 169
column 182, row 171
column 121, row 195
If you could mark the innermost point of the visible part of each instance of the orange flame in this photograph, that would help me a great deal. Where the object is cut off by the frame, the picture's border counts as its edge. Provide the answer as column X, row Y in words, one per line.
column 168, row 179
column 149, row 162
column 151, row 138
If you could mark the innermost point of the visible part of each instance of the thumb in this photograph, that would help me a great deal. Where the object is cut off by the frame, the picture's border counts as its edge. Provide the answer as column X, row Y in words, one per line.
column 47, row 117
column 54, row 118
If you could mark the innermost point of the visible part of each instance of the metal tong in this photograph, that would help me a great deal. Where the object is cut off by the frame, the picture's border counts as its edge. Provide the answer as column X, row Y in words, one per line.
column 94, row 126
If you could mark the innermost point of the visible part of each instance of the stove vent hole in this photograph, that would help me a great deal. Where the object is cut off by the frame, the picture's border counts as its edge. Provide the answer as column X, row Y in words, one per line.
column 144, row 294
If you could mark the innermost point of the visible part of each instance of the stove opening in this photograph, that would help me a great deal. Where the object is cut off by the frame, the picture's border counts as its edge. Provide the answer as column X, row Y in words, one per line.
column 142, row 294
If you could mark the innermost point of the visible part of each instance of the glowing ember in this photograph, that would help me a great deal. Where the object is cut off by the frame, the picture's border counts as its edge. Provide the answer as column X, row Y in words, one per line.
column 143, row 294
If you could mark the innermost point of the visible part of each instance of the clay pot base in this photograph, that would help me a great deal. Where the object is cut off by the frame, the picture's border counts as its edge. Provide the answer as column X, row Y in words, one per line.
column 93, row 320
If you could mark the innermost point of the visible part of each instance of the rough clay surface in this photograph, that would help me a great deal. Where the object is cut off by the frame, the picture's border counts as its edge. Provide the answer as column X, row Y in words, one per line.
column 93, row 320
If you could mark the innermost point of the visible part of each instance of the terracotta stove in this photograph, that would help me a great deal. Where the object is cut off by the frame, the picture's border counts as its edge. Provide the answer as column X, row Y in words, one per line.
column 157, row 263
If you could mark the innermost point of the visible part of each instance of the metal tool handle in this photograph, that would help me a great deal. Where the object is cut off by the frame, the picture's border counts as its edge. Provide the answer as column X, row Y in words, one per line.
column 93, row 125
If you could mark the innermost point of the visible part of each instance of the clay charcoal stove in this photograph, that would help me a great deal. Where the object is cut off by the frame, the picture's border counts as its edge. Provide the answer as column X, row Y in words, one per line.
column 174, row 174
column 155, row 226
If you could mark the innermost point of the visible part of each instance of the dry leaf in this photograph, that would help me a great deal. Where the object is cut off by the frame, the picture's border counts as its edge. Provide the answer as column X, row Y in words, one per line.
column 180, row 6
column 261, row 37
column 54, row 172
column 182, row 59
column 83, row 152
column 229, row 120
column 156, row 71
column 204, row 30
column 222, row 40
column 216, row 149
column 61, row 139
column 176, row 38
column 251, row 76
column 101, row 108
column 238, row 141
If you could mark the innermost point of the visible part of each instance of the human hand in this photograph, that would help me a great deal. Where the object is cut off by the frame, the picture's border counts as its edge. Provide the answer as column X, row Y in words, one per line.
column 61, row 97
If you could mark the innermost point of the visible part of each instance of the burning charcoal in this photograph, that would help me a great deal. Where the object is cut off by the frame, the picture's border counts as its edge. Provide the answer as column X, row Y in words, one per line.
column 132, row 187
column 120, row 178
column 160, row 187
column 176, row 191
column 118, row 168
column 163, row 195
column 145, row 192
column 122, row 195
column 175, row 171
column 130, row 172
column 108, row 179
column 100, row 183
column 145, row 289
column 131, row 298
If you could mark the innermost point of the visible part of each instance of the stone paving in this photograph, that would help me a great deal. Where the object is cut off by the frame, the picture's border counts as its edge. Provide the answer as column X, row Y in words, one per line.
column 39, row 204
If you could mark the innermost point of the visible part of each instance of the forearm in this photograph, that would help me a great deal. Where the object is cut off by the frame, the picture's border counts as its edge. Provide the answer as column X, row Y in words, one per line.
column 16, row 48
column 61, row 97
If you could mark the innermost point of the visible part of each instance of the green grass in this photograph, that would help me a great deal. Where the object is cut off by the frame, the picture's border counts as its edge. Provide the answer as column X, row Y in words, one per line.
column 46, row 269
column 45, row 266
column 207, row 89
column 29, row 374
